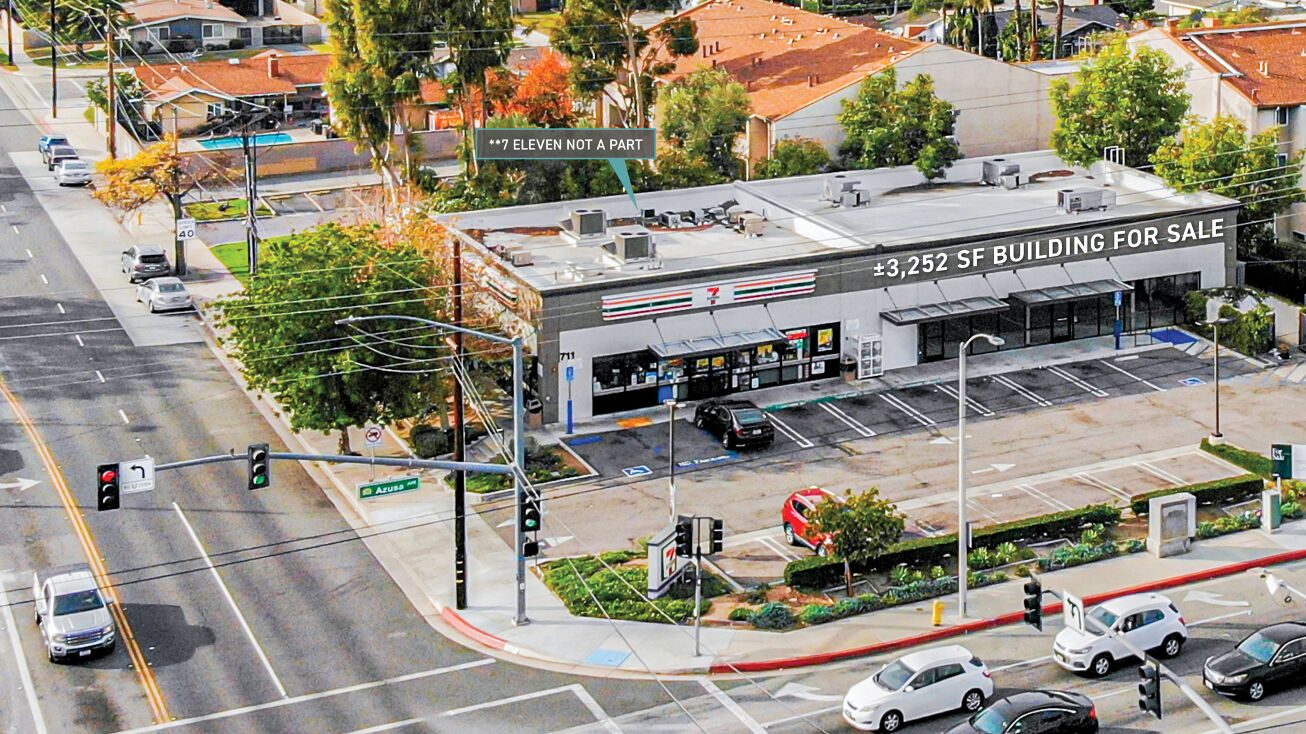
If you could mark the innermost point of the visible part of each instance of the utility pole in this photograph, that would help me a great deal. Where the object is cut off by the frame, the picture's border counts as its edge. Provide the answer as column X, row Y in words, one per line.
column 459, row 439
column 251, row 191
column 113, row 91
column 54, row 66
column 9, row 27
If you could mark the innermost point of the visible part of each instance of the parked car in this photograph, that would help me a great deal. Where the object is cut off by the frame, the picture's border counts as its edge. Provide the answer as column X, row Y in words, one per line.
column 56, row 153
column 164, row 294
column 46, row 141
column 794, row 515
column 735, row 422
column 918, row 686
column 141, row 262
column 1034, row 712
column 1271, row 657
column 1148, row 621
column 72, row 172
column 71, row 613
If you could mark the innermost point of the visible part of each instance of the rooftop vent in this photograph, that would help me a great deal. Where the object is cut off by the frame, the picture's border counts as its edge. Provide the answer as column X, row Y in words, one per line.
column 588, row 222
column 1084, row 200
column 520, row 258
column 995, row 168
column 854, row 198
column 833, row 187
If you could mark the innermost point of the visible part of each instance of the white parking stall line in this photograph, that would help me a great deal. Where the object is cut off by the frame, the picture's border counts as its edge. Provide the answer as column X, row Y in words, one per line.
column 789, row 432
column 267, row 665
column 1039, row 494
column 1116, row 491
column 1178, row 481
column 975, row 506
column 974, row 404
column 1127, row 373
column 24, row 674
column 911, row 412
column 730, row 705
column 1086, row 387
column 1023, row 391
column 776, row 547
column 847, row 420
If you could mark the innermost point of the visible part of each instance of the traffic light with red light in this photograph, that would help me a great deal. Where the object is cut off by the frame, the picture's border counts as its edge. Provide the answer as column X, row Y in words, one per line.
column 107, row 492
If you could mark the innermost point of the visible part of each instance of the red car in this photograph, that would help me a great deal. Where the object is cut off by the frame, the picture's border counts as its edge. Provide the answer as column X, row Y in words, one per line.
column 796, row 510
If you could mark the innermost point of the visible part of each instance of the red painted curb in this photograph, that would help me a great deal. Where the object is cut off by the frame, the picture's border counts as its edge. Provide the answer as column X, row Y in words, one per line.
column 757, row 666
column 463, row 626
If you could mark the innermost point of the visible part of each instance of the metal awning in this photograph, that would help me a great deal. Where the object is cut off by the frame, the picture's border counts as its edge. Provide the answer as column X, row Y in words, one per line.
column 945, row 310
column 718, row 343
column 1071, row 292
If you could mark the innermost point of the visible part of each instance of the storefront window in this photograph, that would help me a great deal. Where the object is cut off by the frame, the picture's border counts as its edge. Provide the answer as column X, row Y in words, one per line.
column 826, row 341
column 766, row 354
column 795, row 345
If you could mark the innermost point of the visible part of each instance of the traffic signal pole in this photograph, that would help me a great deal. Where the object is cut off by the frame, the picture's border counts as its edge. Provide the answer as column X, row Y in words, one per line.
column 698, row 583
column 519, row 475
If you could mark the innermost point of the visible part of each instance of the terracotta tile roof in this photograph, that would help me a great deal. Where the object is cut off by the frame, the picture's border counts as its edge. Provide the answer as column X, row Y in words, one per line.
column 433, row 92
column 787, row 57
column 157, row 11
column 248, row 78
column 1269, row 58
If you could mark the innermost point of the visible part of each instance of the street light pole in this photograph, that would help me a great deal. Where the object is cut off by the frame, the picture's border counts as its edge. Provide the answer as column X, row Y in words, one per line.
column 1216, row 436
column 963, row 539
column 671, row 453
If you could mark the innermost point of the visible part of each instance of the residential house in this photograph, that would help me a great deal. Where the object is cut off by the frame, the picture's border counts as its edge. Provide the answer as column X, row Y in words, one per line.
column 179, row 25
column 799, row 67
column 1256, row 73
column 197, row 97
column 1078, row 26
column 1186, row 8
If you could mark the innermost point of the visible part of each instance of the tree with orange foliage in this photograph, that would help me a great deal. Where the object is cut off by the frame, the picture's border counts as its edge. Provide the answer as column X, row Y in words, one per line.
column 543, row 96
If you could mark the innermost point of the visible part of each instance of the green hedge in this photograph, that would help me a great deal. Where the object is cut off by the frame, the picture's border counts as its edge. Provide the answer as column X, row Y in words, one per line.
column 1249, row 460
column 821, row 572
column 1233, row 489
column 573, row 580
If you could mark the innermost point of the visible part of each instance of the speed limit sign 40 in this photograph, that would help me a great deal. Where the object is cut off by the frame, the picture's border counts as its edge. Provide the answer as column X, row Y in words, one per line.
column 186, row 229
column 372, row 435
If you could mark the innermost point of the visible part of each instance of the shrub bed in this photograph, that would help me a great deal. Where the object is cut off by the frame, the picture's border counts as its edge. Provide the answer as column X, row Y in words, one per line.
column 1249, row 460
column 1082, row 553
column 1226, row 525
column 617, row 590
column 821, row 572
column 1233, row 489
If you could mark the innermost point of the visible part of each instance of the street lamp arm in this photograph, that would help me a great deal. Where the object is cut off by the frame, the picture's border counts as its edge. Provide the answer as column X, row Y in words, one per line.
column 351, row 320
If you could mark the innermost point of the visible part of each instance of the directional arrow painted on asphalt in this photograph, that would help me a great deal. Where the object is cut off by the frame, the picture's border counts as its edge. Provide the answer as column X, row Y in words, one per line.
column 1216, row 599
column 21, row 485
column 798, row 690
column 555, row 542
column 506, row 523
column 942, row 439
column 993, row 467
column 1002, row 467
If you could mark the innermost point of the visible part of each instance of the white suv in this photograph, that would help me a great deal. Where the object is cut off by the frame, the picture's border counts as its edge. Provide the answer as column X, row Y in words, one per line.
column 918, row 685
column 1148, row 621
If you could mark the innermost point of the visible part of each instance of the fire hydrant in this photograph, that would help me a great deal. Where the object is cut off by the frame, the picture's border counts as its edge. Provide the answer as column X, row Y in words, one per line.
column 936, row 613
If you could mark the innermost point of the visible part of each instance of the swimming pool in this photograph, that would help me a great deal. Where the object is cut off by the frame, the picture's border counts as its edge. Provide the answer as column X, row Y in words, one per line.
column 234, row 142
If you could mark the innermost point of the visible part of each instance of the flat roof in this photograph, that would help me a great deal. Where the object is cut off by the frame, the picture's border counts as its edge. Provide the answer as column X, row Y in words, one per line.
column 902, row 213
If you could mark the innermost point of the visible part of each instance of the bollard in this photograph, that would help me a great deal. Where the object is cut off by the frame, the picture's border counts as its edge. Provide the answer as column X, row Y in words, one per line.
column 936, row 612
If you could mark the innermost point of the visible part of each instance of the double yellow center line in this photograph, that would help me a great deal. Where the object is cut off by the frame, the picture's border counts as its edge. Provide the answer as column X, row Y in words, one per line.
column 145, row 674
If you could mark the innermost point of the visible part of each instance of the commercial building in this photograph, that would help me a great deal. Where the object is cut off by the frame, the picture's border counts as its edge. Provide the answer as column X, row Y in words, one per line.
column 737, row 287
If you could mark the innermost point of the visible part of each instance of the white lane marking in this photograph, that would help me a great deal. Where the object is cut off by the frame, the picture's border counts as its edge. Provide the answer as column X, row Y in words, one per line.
column 1077, row 382
column 60, row 305
column 230, row 713
column 575, row 689
column 795, row 436
column 1116, row 692
column 123, row 415
column 4, row 209
column 97, row 374
column 239, row 617
column 1023, row 391
column 1131, row 374
column 1126, row 358
column 30, row 256
column 39, row 98
column 78, row 337
column 796, row 717
column 25, row 675
column 388, row 727
column 911, row 412
column 14, row 227
column 1031, row 661
column 729, row 703
column 847, row 420
column 775, row 547
column 974, row 404
column 1230, row 615
column 1039, row 494
column 44, row 280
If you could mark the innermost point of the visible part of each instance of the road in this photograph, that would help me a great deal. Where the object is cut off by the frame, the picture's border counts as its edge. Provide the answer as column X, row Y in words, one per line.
column 245, row 611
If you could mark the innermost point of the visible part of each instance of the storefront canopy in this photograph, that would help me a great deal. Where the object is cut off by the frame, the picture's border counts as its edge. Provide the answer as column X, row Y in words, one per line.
column 945, row 310
column 719, row 343
column 1071, row 292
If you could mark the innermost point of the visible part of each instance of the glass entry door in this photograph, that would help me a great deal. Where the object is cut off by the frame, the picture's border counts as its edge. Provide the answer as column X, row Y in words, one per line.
column 1063, row 321
column 930, row 335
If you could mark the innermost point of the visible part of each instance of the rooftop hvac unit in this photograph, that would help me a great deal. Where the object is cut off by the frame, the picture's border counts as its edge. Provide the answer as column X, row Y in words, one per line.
column 1085, row 200
column 633, row 244
column 521, row 257
column 752, row 225
column 733, row 214
column 854, row 198
column 994, row 169
column 671, row 219
column 833, row 187
column 588, row 222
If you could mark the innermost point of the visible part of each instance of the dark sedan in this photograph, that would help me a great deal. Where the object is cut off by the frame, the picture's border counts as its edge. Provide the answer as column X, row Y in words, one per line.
column 734, row 422
column 1034, row 712
column 1270, row 657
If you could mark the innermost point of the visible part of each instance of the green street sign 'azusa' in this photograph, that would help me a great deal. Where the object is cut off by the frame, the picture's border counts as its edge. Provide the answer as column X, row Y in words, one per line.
column 368, row 490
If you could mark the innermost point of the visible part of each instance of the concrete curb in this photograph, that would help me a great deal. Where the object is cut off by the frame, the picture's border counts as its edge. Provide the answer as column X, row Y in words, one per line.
column 1006, row 619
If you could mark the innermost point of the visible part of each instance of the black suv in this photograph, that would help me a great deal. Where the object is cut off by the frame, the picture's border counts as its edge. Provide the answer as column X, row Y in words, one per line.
column 735, row 422
column 1271, row 657
column 1034, row 712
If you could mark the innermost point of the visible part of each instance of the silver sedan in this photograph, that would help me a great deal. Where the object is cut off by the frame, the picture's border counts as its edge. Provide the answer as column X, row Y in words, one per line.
column 163, row 294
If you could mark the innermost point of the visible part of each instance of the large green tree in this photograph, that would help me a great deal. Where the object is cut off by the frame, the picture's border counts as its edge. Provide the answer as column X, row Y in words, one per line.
column 77, row 22
column 615, row 58
column 1130, row 99
column 887, row 126
column 794, row 157
column 860, row 526
column 329, row 377
column 1219, row 156
column 704, row 112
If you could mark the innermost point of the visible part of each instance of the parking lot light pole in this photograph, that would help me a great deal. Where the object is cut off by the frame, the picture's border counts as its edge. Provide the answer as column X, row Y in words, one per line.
column 1216, row 436
column 962, row 539
column 671, row 452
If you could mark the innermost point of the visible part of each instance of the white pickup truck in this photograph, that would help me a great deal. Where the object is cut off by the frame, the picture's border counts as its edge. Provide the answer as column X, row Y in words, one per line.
column 71, row 613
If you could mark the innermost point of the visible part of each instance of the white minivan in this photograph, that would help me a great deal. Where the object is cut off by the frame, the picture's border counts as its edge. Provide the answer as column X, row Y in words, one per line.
column 917, row 686
column 1147, row 621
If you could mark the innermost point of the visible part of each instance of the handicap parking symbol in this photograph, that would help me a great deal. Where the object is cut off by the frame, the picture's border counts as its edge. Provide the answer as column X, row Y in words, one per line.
column 636, row 471
column 1192, row 381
